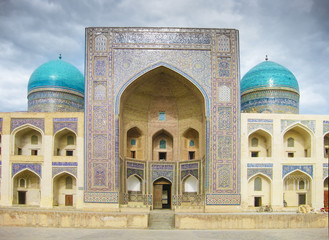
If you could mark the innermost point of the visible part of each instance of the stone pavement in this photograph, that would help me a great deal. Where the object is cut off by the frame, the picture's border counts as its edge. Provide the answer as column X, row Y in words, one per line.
column 26, row 233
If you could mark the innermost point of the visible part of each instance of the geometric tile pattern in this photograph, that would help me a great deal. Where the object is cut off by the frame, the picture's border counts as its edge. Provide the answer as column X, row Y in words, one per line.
column 100, row 43
column 101, row 197
column 308, row 169
column 37, row 122
column 310, row 124
column 223, row 199
column 224, row 94
column 325, row 127
column 254, row 171
column 58, row 170
column 34, row 167
column 60, row 123
column 224, row 44
column 264, row 124
column 224, row 66
column 325, row 170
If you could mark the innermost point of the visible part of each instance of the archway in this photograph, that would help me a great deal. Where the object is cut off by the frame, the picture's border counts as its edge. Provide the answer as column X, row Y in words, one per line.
column 26, row 188
column 259, row 191
column 27, row 141
column 64, row 190
column 260, row 144
column 65, row 143
column 297, row 142
column 297, row 189
column 162, row 194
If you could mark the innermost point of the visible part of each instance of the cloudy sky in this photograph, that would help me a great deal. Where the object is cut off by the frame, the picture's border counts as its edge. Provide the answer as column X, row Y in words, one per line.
column 293, row 33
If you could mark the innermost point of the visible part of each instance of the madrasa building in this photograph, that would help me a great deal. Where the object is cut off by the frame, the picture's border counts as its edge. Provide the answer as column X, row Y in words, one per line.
column 161, row 120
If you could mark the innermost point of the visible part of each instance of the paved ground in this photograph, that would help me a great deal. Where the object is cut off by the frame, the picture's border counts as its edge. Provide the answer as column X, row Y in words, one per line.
column 17, row 233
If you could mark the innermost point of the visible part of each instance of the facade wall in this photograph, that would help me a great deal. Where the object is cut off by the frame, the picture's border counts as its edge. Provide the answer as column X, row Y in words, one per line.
column 39, row 171
column 282, row 171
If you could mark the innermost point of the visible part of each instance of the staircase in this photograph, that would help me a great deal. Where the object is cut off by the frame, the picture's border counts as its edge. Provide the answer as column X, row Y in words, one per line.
column 162, row 219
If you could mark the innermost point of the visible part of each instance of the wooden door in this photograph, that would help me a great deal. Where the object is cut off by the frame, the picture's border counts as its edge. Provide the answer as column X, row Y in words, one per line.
column 68, row 200
column 325, row 198
column 157, row 193
column 301, row 199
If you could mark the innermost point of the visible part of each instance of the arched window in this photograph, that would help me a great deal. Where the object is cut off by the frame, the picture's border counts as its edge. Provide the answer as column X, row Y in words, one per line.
column 163, row 144
column 258, row 184
column 70, row 140
column 191, row 143
column 291, row 142
column 134, row 184
column 301, row 185
column 254, row 142
column 133, row 142
column 22, row 182
column 34, row 139
column 68, row 183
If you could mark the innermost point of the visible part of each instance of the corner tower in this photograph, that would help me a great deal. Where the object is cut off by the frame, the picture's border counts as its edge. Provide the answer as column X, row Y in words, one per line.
column 269, row 88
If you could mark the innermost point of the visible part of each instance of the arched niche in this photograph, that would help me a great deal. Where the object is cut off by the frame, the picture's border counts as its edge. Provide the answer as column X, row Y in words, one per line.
column 191, row 185
column 135, row 143
column 260, row 144
column 162, row 146
column 64, row 190
column 28, row 141
column 259, row 191
column 160, row 99
column 65, row 143
column 135, row 189
column 190, row 145
column 26, row 188
column 297, row 142
column 297, row 189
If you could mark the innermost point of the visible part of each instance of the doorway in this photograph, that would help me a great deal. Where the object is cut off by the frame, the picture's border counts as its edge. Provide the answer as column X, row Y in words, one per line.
column 68, row 200
column 301, row 199
column 21, row 197
column 162, row 194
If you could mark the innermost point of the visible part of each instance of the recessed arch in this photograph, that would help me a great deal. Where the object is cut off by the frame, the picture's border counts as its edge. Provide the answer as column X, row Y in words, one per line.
column 63, row 146
column 263, row 148
column 172, row 68
column 64, row 191
column 259, row 190
column 297, row 170
column 260, row 174
column 29, row 193
column 302, row 137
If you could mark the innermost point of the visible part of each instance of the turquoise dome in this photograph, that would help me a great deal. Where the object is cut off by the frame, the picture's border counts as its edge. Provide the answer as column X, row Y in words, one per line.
column 268, row 75
column 57, row 74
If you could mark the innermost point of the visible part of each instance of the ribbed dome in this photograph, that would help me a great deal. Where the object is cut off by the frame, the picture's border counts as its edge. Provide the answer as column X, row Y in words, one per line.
column 57, row 74
column 268, row 75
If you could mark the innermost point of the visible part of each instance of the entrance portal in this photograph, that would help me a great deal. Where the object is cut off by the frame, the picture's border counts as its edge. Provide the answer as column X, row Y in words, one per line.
column 162, row 194
column 21, row 197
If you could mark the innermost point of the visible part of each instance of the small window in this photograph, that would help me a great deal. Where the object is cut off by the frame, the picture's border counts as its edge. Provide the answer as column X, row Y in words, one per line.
column 254, row 142
column 34, row 152
column 162, row 156
column 291, row 142
column 69, row 152
column 133, row 154
column 258, row 184
column 191, row 155
column 68, row 182
column 34, row 140
column 191, row 143
column 70, row 140
column 254, row 154
column 133, row 142
column 162, row 116
column 291, row 155
column 301, row 185
column 22, row 183
column 163, row 144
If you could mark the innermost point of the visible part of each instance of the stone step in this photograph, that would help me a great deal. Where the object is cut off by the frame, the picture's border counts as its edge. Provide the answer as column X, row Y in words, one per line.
column 162, row 219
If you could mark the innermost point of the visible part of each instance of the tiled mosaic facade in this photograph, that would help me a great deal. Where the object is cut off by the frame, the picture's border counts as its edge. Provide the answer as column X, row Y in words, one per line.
column 263, row 168
column 310, row 124
column 308, row 169
column 34, row 167
column 270, row 101
column 61, row 123
column 208, row 58
column 36, row 122
column 50, row 100
column 263, row 124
